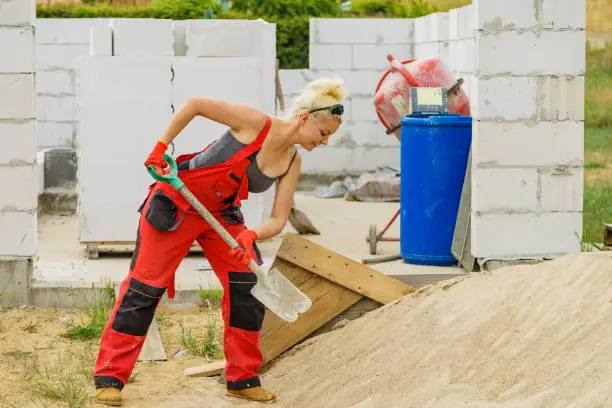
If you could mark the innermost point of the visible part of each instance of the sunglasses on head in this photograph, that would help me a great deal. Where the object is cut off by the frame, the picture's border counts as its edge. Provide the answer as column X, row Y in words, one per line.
column 336, row 109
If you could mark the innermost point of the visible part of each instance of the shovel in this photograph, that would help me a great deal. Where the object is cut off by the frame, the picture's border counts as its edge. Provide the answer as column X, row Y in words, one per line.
column 273, row 289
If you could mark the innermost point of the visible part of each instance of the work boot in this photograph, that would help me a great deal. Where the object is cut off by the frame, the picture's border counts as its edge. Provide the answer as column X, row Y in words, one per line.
column 253, row 394
column 108, row 396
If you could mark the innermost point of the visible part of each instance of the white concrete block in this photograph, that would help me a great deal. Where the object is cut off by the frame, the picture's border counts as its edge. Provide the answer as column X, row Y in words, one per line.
column 237, row 79
column 375, row 56
column 101, row 41
column 55, row 56
column 506, row 98
column 425, row 50
column 361, row 31
column 293, row 81
column 364, row 133
column 123, row 101
column 422, row 29
column 504, row 189
column 524, row 235
column 225, row 38
column 54, row 82
column 40, row 171
column 468, row 85
column 502, row 15
column 343, row 136
column 363, row 109
column 462, row 56
column 326, row 159
column 357, row 82
column 56, row 108
column 549, row 143
column 369, row 158
column 19, row 234
column 17, row 98
column 17, row 13
column 140, row 37
column 562, row 189
column 563, row 14
column 439, row 25
column 330, row 56
column 529, row 53
column 443, row 51
column 471, row 18
column 383, row 139
column 55, row 134
column 21, row 138
column 458, row 23
column 562, row 98
column 180, row 37
column 66, row 30
column 20, row 186
column 16, row 49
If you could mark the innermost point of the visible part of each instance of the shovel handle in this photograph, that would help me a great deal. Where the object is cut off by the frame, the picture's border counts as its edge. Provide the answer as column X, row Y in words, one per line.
column 173, row 179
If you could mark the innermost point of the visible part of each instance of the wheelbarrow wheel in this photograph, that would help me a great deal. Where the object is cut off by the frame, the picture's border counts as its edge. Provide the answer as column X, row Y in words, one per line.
column 372, row 239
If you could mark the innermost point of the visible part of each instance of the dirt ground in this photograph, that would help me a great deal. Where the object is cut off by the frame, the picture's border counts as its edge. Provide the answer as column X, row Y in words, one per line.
column 32, row 338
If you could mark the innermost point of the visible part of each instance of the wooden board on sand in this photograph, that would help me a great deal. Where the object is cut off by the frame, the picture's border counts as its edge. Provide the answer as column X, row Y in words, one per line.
column 331, row 281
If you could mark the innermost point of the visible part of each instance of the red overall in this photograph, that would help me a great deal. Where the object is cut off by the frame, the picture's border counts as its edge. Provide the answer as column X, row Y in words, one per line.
column 168, row 227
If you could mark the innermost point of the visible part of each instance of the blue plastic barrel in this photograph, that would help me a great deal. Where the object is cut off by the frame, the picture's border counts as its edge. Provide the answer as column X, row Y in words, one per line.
column 434, row 156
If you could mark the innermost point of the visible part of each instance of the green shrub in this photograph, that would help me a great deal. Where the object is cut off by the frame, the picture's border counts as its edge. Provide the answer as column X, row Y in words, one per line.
column 391, row 8
column 383, row 8
column 185, row 9
column 287, row 8
column 67, row 10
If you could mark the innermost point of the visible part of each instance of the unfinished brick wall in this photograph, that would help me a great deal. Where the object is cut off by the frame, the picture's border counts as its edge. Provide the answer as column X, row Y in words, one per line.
column 528, row 146
column 18, row 200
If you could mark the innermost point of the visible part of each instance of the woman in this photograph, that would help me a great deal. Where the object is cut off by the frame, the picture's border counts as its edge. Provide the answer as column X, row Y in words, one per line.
column 255, row 152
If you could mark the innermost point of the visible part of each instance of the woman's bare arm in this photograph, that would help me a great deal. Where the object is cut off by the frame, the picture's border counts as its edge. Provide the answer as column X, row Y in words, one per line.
column 237, row 117
column 283, row 201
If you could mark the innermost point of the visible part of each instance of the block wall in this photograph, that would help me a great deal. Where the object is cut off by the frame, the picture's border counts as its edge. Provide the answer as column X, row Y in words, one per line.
column 59, row 44
column 18, row 177
column 528, row 146
column 18, row 200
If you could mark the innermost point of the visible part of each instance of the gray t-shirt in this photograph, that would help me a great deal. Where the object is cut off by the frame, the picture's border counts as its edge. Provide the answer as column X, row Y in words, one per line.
column 224, row 148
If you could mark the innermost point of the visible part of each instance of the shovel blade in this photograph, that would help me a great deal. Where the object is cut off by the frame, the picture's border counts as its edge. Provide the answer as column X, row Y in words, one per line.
column 281, row 296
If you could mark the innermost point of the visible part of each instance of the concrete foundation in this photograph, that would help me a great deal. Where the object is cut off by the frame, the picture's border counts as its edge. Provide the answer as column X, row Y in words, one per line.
column 15, row 281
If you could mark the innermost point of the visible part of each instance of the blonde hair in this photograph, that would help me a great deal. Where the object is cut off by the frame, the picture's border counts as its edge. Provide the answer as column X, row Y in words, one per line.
column 317, row 94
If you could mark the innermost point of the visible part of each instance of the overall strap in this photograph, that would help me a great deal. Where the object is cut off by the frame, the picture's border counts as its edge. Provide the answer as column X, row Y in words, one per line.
column 253, row 146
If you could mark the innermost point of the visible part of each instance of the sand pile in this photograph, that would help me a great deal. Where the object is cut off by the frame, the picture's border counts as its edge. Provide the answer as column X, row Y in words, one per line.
column 526, row 336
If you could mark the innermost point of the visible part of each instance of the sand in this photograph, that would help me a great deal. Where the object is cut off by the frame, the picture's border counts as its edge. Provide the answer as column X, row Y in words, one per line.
column 527, row 336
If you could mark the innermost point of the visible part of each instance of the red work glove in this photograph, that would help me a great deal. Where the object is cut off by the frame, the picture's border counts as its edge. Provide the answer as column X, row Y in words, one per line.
column 156, row 157
column 245, row 239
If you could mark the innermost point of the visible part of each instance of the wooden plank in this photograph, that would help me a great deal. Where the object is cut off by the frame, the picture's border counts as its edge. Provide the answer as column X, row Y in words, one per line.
column 342, row 270
column 122, row 247
column 328, row 300
column 206, row 370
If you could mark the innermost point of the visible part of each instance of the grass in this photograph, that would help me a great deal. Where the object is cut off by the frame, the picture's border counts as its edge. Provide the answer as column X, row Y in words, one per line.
column 598, row 144
column 211, row 298
column 58, row 382
column 209, row 346
column 97, row 312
